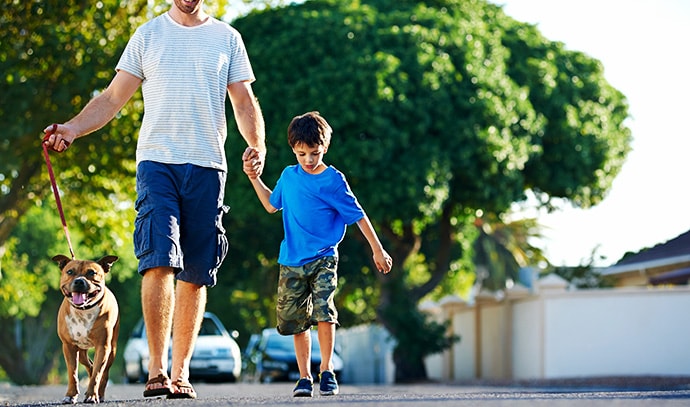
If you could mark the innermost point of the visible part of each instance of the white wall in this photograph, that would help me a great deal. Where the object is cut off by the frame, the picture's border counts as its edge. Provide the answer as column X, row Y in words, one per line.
column 557, row 333
column 367, row 353
column 640, row 332
column 528, row 335
column 549, row 333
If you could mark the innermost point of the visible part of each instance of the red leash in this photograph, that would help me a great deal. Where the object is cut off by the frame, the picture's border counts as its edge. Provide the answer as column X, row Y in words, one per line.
column 55, row 188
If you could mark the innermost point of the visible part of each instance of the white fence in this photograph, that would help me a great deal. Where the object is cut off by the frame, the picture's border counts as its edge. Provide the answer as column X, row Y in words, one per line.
column 367, row 353
column 550, row 332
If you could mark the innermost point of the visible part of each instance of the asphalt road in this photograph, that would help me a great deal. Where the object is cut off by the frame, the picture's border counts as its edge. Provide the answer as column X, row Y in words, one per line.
column 420, row 395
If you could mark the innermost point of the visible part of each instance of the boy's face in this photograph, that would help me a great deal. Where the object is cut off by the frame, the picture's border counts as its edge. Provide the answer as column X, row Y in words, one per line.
column 310, row 158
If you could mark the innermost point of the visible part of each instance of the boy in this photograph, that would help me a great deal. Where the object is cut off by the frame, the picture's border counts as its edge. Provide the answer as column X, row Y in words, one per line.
column 317, row 206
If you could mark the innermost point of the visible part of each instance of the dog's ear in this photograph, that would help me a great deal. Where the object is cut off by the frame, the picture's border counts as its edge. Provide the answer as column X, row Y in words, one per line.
column 106, row 262
column 61, row 260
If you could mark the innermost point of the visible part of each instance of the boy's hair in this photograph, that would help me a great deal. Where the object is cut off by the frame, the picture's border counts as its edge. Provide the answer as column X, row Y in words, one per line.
column 309, row 128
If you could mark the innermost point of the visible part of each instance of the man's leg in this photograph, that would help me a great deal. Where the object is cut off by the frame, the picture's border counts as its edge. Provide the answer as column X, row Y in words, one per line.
column 303, row 353
column 157, row 304
column 190, row 304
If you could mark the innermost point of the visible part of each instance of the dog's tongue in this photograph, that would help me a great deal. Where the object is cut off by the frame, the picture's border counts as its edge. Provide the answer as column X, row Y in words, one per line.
column 78, row 298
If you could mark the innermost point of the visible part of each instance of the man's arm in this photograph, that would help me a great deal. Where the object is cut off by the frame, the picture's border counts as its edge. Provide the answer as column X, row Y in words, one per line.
column 97, row 113
column 250, row 121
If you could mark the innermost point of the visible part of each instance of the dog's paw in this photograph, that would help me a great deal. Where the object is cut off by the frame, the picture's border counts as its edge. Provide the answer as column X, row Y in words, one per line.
column 93, row 399
column 69, row 400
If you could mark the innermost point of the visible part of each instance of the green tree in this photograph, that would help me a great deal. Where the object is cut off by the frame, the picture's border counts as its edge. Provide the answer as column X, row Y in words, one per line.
column 502, row 248
column 31, row 296
column 586, row 275
column 54, row 57
column 440, row 108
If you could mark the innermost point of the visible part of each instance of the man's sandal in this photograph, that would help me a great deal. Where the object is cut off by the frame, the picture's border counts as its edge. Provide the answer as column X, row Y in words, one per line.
column 163, row 390
column 182, row 390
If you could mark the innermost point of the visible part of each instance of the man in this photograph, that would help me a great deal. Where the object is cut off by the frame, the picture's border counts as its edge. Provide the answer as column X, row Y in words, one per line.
column 185, row 62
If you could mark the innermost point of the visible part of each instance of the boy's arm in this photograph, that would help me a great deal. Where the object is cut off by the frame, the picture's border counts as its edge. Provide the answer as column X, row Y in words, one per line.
column 383, row 261
column 249, row 157
column 264, row 193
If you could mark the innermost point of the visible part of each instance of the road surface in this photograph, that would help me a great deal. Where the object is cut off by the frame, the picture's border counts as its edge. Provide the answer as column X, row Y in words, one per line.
column 419, row 395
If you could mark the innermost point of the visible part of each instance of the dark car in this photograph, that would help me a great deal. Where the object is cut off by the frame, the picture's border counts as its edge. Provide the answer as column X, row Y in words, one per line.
column 270, row 357
column 216, row 355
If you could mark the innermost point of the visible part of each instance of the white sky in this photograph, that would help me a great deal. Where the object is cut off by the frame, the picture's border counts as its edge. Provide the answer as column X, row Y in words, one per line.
column 643, row 45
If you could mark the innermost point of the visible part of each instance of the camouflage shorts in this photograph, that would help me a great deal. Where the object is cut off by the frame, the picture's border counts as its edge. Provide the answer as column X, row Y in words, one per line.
column 305, row 295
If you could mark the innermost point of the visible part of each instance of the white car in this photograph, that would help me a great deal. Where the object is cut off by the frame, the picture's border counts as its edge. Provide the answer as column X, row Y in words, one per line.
column 216, row 355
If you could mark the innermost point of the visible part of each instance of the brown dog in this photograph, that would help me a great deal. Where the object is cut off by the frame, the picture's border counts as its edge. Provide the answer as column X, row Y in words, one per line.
column 88, row 318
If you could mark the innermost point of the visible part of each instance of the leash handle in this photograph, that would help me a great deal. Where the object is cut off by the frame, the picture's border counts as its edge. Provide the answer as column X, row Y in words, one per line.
column 55, row 188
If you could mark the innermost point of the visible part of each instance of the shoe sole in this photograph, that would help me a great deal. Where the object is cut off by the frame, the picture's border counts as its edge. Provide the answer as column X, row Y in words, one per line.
column 301, row 394
column 329, row 393
column 163, row 391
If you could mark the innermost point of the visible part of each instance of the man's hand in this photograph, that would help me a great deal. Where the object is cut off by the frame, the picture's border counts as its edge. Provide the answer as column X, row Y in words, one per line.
column 58, row 137
column 252, row 162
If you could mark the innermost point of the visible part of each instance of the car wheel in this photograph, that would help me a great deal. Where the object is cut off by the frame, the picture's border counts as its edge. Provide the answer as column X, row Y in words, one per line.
column 143, row 377
column 224, row 378
column 129, row 380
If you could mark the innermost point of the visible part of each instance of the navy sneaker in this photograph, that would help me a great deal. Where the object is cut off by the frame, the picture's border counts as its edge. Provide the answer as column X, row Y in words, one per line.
column 328, row 386
column 304, row 388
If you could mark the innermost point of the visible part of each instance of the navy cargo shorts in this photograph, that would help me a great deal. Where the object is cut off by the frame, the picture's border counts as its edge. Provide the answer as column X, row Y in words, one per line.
column 305, row 295
column 179, row 220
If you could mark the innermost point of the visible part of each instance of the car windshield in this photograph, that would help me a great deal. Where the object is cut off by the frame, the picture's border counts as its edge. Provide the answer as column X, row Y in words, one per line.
column 208, row 328
column 279, row 342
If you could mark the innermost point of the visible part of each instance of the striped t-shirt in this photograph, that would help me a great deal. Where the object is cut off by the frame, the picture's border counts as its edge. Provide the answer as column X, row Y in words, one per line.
column 185, row 73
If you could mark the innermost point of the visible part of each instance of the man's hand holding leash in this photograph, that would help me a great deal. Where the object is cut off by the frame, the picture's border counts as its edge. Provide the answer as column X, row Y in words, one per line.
column 58, row 137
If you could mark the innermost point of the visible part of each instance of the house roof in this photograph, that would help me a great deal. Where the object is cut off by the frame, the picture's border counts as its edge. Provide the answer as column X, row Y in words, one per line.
column 676, row 250
column 680, row 276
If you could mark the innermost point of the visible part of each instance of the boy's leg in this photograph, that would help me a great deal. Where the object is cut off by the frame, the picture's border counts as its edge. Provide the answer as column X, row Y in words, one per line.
column 303, row 353
column 326, row 343
column 304, row 386
column 328, row 385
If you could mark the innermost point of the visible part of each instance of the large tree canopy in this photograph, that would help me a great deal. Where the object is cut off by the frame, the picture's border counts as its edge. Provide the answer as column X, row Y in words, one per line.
column 439, row 108
column 54, row 56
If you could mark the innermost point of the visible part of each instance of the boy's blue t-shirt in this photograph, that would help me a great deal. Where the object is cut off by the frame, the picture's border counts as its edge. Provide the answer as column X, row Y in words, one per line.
column 317, row 208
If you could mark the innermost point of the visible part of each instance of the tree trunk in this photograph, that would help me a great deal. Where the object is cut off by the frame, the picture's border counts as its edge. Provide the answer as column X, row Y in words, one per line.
column 398, row 313
column 30, row 349
column 408, row 370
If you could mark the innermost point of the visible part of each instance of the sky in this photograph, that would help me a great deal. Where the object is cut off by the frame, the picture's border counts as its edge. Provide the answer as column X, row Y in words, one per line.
column 643, row 46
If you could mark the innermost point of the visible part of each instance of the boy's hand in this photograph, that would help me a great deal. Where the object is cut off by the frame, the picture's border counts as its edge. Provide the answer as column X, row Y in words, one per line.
column 383, row 262
column 252, row 163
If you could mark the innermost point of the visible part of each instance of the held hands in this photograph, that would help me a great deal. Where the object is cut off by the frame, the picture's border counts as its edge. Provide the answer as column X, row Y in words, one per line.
column 252, row 162
column 58, row 137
